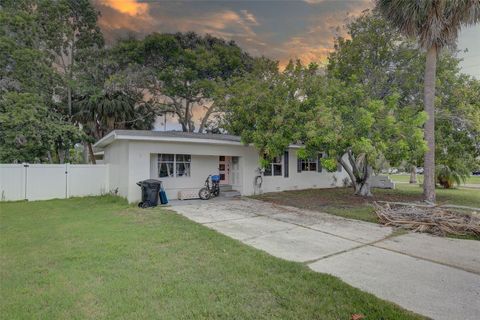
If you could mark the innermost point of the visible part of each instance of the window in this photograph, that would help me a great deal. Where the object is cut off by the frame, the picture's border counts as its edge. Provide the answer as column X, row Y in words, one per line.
column 165, row 165
column 182, row 165
column 274, row 168
column 308, row 164
column 174, row 165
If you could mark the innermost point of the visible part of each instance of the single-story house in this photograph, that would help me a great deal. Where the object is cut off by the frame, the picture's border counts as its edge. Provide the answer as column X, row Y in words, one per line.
column 183, row 160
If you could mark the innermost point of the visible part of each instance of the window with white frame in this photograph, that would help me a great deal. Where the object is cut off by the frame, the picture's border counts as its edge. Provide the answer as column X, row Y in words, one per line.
column 274, row 168
column 174, row 165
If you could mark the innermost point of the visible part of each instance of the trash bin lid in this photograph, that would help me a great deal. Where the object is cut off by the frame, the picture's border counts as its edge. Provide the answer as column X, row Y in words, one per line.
column 150, row 182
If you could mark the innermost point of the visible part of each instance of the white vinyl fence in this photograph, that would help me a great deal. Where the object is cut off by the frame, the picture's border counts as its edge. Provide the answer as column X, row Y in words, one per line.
column 49, row 181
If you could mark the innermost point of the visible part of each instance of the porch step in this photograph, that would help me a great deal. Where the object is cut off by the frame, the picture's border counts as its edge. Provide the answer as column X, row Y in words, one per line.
column 225, row 187
column 230, row 193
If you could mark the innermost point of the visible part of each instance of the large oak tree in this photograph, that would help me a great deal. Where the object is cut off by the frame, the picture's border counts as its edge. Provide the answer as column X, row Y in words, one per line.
column 183, row 73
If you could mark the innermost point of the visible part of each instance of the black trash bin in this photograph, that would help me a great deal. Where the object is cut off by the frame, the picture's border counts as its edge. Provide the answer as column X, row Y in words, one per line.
column 150, row 189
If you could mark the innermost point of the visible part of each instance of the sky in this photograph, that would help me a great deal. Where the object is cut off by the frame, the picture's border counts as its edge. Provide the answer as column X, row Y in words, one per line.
column 280, row 29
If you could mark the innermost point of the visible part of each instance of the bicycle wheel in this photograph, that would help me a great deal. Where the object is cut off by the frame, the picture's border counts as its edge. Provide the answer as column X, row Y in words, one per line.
column 204, row 194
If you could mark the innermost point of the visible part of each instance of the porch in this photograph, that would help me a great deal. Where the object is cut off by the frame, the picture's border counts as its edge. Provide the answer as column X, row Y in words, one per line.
column 183, row 175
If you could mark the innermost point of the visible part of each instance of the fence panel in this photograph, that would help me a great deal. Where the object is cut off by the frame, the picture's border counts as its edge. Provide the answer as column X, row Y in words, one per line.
column 12, row 182
column 51, row 181
column 85, row 180
column 46, row 181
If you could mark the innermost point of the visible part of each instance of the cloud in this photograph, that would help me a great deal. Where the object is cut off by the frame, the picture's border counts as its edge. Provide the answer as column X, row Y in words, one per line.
column 238, row 25
column 314, row 1
column 249, row 17
column 119, row 18
column 316, row 42
column 130, row 7
column 312, row 43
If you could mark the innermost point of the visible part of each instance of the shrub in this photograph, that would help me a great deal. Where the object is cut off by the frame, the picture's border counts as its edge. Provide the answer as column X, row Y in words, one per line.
column 447, row 176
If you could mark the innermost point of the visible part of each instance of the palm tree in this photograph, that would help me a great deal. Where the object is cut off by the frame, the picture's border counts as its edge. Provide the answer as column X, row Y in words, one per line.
column 102, row 113
column 435, row 24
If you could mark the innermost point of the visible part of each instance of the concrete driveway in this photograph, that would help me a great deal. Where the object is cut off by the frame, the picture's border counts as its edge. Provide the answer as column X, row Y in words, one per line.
column 436, row 277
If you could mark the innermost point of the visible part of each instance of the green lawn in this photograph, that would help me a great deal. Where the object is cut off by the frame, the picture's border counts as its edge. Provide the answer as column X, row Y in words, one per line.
column 98, row 258
column 406, row 178
column 343, row 203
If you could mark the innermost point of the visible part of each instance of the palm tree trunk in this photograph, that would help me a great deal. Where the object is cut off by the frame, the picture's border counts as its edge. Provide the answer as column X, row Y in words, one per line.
column 429, row 101
column 413, row 174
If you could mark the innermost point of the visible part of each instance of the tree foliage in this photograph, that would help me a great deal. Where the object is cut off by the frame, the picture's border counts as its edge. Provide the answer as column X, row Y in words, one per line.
column 435, row 24
column 457, row 127
column 299, row 105
column 31, row 128
column 184, row 73
column 30, row 131
column 385, row 62
column 69, row 31
column 24, row 66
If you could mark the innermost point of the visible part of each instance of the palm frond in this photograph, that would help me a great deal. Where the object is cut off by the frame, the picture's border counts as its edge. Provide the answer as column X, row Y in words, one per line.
column 432, row 22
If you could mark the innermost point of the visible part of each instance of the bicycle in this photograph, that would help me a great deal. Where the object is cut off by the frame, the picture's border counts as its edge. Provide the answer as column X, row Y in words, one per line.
column 211, row 189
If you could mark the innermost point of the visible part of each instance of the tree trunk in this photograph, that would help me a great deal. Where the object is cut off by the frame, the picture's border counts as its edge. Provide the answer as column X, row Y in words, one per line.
column 363, row 187
column 429, row 101
column 85, row 152
column 188, row 116
column 359, row 172
column 90, row 151
column 69, row 96
column 61, row 156
column 67, row 155
column 70, row 76
column 184, row 126
column 205, row 118
column 413, row 174
column 49, row 155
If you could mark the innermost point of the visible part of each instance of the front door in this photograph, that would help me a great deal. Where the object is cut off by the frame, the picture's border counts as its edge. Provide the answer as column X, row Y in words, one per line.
column 224, row 163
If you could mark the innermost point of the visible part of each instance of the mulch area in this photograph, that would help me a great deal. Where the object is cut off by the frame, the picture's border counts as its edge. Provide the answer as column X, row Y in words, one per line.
column 341, row 197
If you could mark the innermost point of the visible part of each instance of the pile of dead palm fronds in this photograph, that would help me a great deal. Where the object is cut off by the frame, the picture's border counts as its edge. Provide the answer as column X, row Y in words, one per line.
column 431, row 219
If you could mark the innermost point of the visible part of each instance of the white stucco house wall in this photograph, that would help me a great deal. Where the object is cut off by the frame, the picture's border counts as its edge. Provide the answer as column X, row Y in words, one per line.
column 182, row 161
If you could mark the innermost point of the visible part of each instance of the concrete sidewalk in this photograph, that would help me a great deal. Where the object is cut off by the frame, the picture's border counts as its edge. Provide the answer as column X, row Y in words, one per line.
column 436, row 277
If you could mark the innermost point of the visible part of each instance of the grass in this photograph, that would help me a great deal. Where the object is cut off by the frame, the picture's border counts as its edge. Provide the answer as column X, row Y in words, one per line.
column 343, row 203
column 406, row 178
column 98, row 258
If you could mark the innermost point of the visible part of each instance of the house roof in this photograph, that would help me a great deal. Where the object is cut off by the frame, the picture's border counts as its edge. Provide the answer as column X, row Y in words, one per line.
column 172, row 136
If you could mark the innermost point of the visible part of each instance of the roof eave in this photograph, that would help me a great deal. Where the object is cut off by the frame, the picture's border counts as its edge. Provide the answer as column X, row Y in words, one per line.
column 106, row 140
column 179, row 139
column 112, row 136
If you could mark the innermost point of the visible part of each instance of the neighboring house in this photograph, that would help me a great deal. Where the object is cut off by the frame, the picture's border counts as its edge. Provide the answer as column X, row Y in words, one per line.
column 183, row 160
